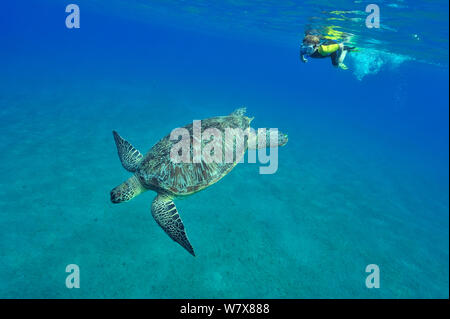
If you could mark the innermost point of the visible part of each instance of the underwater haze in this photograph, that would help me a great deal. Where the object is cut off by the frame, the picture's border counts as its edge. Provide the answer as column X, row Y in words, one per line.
column 364, row 178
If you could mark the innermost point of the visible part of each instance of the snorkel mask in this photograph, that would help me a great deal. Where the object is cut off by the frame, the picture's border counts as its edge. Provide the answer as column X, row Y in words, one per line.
column 308, row 49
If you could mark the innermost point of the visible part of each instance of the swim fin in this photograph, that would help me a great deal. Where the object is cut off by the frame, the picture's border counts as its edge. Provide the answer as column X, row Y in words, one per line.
column 343, row 66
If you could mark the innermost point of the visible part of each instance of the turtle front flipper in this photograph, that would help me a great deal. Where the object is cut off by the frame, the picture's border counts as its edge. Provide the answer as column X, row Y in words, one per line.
column 129, row 156
column 127, row 190
column 166, row 215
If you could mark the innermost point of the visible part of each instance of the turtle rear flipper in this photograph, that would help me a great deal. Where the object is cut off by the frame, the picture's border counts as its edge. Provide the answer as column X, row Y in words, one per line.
column 166, row 215
column 129, row 156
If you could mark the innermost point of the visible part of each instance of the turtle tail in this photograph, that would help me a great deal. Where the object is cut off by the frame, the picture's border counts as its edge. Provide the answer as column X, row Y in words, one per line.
column 127, row 190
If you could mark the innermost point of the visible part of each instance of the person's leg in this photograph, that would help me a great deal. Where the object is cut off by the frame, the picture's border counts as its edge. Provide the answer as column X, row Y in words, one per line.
column 335, row 59
column 340, row 56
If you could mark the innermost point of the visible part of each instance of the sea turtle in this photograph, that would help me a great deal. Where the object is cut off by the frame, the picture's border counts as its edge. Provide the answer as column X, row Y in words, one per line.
column 169, row 178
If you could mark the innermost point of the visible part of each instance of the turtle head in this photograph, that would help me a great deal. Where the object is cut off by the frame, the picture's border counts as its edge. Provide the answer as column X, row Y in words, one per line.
column 127, row 190
column 282, row 139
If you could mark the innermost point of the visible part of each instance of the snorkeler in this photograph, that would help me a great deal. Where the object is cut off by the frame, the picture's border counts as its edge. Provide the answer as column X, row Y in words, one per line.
column 315, row 47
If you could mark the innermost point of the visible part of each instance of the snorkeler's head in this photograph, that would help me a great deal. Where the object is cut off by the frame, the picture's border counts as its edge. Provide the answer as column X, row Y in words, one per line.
column 311, row 40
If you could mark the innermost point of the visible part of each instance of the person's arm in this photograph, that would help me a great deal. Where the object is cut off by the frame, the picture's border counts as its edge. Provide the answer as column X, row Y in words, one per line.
column 348, row 48
column 302, row 55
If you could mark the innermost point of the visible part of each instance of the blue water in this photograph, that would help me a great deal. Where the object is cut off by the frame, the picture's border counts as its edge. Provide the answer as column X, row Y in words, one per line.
column 364, row 178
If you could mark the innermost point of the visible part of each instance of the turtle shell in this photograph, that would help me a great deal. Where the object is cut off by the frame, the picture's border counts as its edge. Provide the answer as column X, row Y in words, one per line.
column 160, row 173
